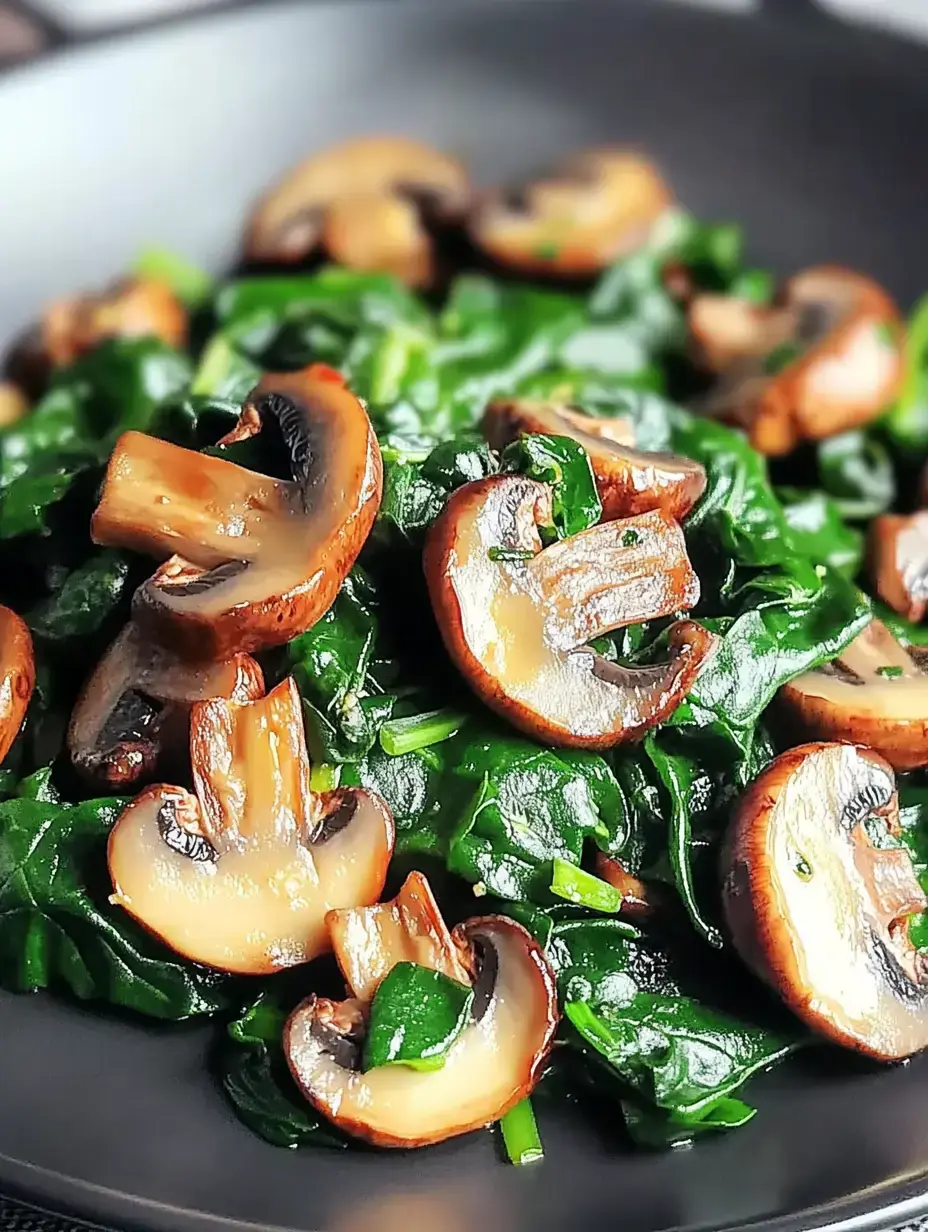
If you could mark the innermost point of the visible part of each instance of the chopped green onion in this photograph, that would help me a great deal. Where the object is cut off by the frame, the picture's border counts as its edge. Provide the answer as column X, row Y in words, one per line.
column 497, row 553
column 520, row 1134
column 756, row 285
column 189, row 283
column 576, row 886
column 890, row 671
column 418, row 731
column 325, row 776
column 215, row 363
column 629, row 538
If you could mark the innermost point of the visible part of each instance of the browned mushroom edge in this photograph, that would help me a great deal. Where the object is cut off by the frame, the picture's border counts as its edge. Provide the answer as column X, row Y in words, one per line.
column 818, row 906
column 898, row 562
column 17, row 677
column 826, row 359
column 594, row 208
column 493, row 1064
column 240, row 874
column 253, row 561
column 518, row 628
column 874, row 693
column 368, row 203
column 13, row 404
column 132, row 308
column 135, row 707
column 629, row 481
column 639, row 899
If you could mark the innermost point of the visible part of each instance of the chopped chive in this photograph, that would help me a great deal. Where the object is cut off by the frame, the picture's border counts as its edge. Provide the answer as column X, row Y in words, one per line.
column 629, row 538
column 520, row 1134
column 189, row 283
column 214, row 366
column 324, row 776
column 418, row 731
column 576, row 886
column 756, row 285
column 890, row 671
column 497, row 553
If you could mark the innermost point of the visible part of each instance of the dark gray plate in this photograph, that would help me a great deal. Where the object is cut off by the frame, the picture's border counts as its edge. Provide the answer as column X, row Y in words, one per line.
column 815, row 137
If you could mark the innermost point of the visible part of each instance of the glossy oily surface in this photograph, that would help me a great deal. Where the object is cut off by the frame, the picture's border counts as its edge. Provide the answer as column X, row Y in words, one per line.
column 17, row 676
column 727, row 119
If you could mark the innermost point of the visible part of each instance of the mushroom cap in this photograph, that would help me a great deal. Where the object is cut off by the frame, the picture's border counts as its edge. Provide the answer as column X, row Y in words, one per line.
column 17, row 677
column 494, row 1063
column 13, row 404
column 846, row 372
column 383, row 233
column 255, row 560
column 518, row 629
column 596, row 207
column 629, row 481
column 138, row 698
column 132, row 308
column 817, row 910
column 240, row 875
column 898, row 560
column 853, row 700
column 292, row 219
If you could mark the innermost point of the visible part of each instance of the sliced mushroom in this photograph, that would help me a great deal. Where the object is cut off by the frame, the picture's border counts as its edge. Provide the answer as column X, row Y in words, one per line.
column 369, row 941
column 240, row 875
column 367, row 203
column 13, row 404
column 136, row 706
column 495, row 1061
column 875, row 693
column 256, row 560
column 630, row 481
column 516, row 620
column 817, row 898
column 898, row 558
column 596, row 207
column 17, row 676
column 826, row 359
column 134, row 308
column 638, row 898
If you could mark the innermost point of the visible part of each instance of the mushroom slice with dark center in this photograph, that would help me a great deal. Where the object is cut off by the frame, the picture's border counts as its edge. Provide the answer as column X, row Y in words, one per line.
column 875, row 693
column 134, row 308
column 369, row 941
column 136, row 706
column 368, row 202
column 817, row 896
column 596, row 207
column 240, row 875
column 517, row 619
column 256, row 560
column 826, row 359
column 898, row 558
column 630, row 481
column 494, row 1062
column 17, row 676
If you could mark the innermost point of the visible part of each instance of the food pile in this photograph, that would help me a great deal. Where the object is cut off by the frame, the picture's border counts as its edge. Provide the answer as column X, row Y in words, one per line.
column 473, row 655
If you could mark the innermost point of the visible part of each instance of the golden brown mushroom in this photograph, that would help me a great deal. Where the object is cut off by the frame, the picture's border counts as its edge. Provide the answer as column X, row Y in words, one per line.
column 517, row 619
column 255, row 560
column 13, row 404
column 366, row 202
column 594, row 208
column 494, row 1063
column 136, row 706
column 874, row 693
column 240, row 875
column 817, row 898
column 825, row 360
column 898, row 559
column 133, row 308
column 17, row 676
column 630, row 481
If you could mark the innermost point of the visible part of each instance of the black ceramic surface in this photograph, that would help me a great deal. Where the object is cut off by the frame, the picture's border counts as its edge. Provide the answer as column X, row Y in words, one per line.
column 811, row 134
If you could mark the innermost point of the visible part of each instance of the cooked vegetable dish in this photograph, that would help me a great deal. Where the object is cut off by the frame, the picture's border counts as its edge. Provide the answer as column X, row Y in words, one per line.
column 474, row 654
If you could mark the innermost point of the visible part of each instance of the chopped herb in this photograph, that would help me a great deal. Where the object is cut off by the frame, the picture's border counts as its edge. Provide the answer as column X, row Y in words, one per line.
column 781, row 357
column 191, row 284
column 889, row 670
column 582, row 888
column 324, row 777
column 510, row 554
column 418, row 731
column 520, row 1134
column 629, row 538
column 548, row 250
